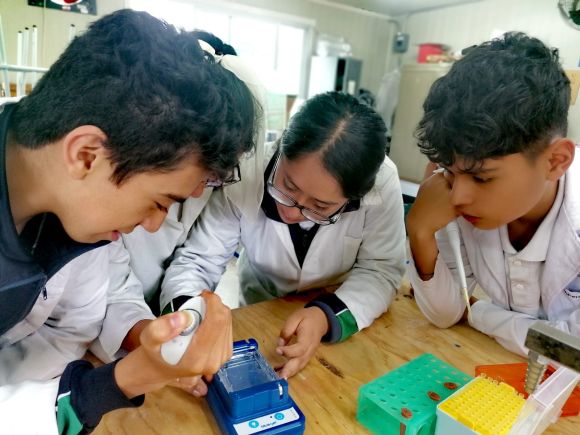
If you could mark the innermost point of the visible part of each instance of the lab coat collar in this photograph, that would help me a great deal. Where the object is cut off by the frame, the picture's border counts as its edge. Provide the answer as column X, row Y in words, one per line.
column 563, row 260
column 251, row 170
column 373, row 197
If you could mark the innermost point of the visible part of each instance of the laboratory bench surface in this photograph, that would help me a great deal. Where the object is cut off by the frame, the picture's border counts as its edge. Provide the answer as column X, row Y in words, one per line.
column 327, row 389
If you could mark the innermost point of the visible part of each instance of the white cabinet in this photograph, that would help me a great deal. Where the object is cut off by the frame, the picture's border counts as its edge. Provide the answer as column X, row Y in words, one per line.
column 416, row 80
column 329, row 73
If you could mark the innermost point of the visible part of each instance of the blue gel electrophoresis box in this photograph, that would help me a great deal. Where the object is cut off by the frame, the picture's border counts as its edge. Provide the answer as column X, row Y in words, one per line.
column 246, row 396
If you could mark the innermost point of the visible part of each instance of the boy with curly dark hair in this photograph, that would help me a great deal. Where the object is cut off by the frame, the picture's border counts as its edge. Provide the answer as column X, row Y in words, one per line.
column 497, row 125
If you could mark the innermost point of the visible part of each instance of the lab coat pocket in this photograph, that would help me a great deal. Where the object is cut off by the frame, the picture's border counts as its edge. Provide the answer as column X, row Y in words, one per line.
column 350, row 249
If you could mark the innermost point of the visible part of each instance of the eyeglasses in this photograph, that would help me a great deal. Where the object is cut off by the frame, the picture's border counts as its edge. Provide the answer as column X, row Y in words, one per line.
column 234, row 177
column 287, row 201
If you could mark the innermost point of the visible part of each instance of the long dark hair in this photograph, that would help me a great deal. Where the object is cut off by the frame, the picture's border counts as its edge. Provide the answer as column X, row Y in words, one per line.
column 350, row 136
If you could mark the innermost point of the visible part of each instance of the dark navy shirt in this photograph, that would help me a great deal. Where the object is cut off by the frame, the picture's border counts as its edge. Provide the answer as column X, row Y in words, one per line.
column 24, row 272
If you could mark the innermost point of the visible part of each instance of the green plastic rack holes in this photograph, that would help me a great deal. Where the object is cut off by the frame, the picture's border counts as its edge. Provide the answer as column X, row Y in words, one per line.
column 404, row 401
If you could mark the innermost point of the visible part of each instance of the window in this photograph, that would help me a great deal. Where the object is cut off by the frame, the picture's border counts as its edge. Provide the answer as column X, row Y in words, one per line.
column 276, row 46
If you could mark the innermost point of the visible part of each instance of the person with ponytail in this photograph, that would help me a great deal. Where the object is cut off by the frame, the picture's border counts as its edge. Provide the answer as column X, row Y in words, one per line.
column 331, row 216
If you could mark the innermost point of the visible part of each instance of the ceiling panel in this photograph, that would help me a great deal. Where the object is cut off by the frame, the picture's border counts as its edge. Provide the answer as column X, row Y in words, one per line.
column 400, row 7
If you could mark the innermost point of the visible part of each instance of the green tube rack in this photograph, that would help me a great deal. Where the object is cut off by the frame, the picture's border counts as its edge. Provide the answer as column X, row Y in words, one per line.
column 404, row 401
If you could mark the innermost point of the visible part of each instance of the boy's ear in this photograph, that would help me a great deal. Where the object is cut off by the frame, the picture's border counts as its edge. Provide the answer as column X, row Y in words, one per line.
column 82, row 147
column 560, row 157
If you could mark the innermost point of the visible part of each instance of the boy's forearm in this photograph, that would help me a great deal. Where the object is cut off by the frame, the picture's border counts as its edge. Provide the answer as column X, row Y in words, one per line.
column 508, row 328
column 132, row 377
column 424, row 251
column 132, row 340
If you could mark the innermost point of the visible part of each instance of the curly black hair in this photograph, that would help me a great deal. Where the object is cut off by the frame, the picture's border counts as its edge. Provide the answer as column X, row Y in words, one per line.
column 158, row 97
column 506, row 96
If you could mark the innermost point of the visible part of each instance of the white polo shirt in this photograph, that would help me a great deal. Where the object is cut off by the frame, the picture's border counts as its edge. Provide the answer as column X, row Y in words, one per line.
column 524, row 268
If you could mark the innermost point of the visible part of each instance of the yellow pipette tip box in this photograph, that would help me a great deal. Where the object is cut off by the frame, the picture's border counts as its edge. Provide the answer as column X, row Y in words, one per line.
column 483, row 406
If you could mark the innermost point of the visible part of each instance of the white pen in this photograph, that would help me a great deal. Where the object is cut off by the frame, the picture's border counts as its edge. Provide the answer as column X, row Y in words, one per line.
column 455, row 242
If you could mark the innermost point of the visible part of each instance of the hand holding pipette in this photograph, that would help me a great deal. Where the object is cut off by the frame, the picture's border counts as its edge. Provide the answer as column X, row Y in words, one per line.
column 452, row 230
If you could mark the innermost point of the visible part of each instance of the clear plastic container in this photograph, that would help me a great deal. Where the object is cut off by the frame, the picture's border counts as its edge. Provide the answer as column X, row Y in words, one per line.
column 544, row 405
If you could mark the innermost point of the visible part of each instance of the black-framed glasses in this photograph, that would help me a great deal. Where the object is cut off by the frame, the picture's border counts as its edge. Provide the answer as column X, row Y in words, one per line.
column 287, row 201
column 234, row 177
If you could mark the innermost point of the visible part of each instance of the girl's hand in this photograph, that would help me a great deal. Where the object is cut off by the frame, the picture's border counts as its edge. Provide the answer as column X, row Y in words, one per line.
column 308, row 325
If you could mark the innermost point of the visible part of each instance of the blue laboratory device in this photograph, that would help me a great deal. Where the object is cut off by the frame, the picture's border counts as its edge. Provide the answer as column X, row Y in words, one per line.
column 246, row 396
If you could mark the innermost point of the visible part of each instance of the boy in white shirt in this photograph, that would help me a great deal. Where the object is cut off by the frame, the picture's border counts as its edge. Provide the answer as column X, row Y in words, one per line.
column 497, row 124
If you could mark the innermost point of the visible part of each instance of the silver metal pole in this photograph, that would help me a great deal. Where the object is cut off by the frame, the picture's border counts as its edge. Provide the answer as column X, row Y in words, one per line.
column 25, row 53
column 19, row 63
column 5, row 85
column 34, row 53
column 22, row 68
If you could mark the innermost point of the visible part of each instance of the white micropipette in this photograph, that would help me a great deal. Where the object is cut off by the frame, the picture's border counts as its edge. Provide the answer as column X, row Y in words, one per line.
column 455, row 242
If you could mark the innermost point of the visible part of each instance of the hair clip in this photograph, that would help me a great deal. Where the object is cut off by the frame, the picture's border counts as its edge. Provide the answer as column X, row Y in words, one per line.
column 210, row 50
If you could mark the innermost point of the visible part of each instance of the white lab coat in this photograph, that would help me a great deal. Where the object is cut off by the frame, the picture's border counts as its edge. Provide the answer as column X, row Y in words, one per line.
column 57, row 331
column 137, row 264
column 441, row 302
column 364, row 252
column 138, row 261
column 28, row 408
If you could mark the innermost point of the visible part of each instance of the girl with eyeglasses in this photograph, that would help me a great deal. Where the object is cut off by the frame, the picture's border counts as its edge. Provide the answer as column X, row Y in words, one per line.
column 331, row 216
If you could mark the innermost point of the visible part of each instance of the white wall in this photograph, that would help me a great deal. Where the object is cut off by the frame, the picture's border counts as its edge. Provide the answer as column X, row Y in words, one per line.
column 53, row 26
column 369, row 36
column 465, row 25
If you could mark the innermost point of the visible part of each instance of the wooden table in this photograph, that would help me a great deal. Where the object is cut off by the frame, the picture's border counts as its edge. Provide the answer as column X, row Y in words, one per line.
column 327, row 389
